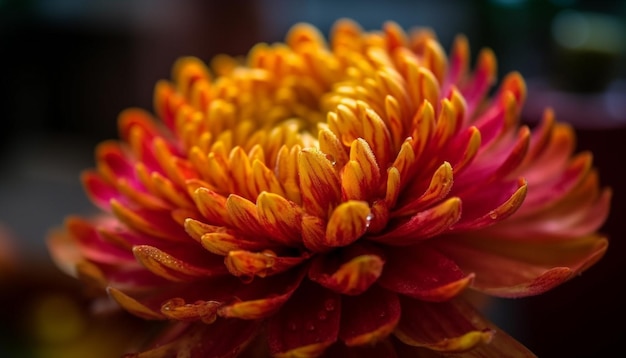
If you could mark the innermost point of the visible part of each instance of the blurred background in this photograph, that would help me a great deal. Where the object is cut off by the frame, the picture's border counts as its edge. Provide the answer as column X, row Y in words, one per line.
column 70, row 66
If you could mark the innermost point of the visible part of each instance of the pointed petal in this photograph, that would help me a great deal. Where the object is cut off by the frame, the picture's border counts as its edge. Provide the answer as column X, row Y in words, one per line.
column 156, row 223
column 439, row 187
column 451, row 326
column 352, row 274
column 490, row 215
column 423, row 273
column 169, row 267
column 517, row 268
column 263, row 298
column 294, row 332
column 280, row 217
column 369, row 317
column 360, row 177
column 133, row 306
column 319, row 182
column 223, row 241
column 211, row 204
column 423, row 225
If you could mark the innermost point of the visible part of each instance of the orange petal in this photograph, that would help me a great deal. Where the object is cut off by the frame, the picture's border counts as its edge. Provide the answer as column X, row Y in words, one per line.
column 133, row 306
column 268, row 297
column 360, row 177
column 440, row 185
column 280, row 217
column 180, row 310
column 246, row 264
column 167, row 266
column 319, row 182
column 212, row 206
column 350, row 277
column 348, row 222
column 423, row 225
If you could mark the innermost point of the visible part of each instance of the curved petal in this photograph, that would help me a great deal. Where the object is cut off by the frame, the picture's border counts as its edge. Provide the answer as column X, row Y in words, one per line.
column 262, row 298
column 423, row 225
column 423, row 273
column 516, row 268
column 298, row 332
column 369, row 317
column 347, row 223
column 171, row 268
column 352, row 274
column 319, row 182
column 451, row 326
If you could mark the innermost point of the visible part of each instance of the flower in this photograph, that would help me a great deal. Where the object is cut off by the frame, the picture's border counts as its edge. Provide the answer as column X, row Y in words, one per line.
column 334, row 198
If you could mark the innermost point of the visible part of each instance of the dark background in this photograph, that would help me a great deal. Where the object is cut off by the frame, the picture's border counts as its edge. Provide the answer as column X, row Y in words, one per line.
column 70, row 66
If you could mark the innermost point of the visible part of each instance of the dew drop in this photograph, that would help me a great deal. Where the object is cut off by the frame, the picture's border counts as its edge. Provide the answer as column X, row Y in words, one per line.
column 321, row 315
column 493, row 215
column 310, row 326
column 331, row 159
column 368, row 220
column 329, row 305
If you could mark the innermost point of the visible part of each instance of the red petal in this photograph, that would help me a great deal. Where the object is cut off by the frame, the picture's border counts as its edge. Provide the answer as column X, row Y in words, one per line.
column 369, row 317
column 307, row 324
column 423, row 225
column 262, row 298
column 152, row 222
column 223, row 339
column 423, row 273
column 384, row 348
column 451, row 326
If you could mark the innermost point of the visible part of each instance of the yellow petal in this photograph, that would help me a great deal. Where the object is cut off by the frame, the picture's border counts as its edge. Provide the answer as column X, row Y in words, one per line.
column 348, row 222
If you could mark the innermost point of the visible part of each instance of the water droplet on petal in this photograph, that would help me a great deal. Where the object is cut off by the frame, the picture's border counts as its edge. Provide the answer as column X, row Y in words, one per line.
column 322, row 315
column 310, row 326
column 368, row 220
column 329, row 305
column 493, row 215
column 331, row 159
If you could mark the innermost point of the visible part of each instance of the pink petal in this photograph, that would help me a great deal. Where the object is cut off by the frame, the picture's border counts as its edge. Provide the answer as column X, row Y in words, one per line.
column 516, row 268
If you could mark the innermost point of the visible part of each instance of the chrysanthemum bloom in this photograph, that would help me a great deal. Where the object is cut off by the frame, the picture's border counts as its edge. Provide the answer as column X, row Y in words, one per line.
column 335, row 198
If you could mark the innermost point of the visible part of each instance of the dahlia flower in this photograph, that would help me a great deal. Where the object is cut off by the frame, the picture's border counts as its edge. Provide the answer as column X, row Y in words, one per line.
column 334, row 198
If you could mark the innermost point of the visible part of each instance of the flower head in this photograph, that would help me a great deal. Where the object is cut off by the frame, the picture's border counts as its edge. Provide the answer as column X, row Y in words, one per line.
column 335, row 197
